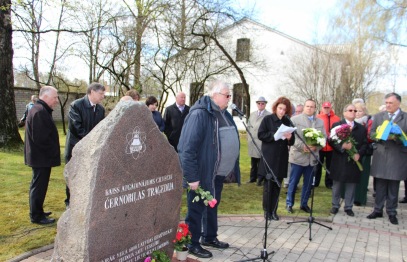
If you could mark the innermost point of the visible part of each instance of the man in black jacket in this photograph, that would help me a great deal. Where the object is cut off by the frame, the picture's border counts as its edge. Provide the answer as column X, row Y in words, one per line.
column 41, row 151
column 174, row 117
column 84, row 114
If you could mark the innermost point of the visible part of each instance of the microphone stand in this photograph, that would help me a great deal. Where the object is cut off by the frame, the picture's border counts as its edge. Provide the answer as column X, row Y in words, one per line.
column 269, row 176
column 310, row 219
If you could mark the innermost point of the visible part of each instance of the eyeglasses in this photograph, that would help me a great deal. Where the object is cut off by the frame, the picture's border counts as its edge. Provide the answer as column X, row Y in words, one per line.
column 261, row 103
column 327, row 108
column 227, row 96
column 352, row 110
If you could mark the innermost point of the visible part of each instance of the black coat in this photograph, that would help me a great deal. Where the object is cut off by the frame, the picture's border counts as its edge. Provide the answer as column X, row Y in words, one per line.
column 82, row 119
column 275, row 152
column 342, row 169
column 174, row 120
column 41, row 148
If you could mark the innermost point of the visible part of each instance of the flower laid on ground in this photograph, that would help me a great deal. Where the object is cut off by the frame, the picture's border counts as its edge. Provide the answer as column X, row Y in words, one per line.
column 389, row 130
column 342, row 134
column 182, row 237
column 206, row 196
column 157, row 256
column 314, row 137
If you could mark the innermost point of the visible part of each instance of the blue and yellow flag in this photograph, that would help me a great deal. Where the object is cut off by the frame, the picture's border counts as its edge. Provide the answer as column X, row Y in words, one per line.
column 384, row 130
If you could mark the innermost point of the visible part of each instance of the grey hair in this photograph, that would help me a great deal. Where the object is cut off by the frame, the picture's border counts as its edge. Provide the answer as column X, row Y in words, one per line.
column 397, row 96
column 358, row 100
column 346, row 107
column 95, row 87
column 216, row 86
column 45, row 90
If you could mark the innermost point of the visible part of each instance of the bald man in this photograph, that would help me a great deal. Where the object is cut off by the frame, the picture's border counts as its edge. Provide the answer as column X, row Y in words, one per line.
column 41, row 151
column 174, row 117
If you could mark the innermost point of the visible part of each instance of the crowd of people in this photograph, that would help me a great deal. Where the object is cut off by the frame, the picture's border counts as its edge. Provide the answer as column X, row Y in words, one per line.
column 206, row 139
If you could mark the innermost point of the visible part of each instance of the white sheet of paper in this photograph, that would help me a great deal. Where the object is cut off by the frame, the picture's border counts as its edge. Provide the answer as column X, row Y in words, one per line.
column 283, row 129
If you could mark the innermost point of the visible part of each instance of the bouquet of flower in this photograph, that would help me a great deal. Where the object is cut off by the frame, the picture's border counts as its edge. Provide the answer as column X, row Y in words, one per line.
column 182, row 238
column 342, row 134
column 390, row 130
column 206, row 196
column 314, row 137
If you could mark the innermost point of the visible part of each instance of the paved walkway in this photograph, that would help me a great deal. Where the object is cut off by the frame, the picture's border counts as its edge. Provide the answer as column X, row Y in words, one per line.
column 351, row 238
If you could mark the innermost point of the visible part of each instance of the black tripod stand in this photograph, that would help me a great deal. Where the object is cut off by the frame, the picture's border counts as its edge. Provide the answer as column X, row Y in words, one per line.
column 311, row 219
column 269, row 177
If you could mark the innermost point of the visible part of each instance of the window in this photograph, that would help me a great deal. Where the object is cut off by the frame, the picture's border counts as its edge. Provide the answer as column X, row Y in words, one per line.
column 239, row 98
column 243, row 50
column 197, row 91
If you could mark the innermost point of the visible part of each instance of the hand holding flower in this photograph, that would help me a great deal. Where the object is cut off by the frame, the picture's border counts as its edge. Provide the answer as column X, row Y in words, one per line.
column 347, row 145
column 194, row 185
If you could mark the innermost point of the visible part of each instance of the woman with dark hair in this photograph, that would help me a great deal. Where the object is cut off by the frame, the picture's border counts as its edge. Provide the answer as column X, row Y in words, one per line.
column 275, row 153
column 152, row 104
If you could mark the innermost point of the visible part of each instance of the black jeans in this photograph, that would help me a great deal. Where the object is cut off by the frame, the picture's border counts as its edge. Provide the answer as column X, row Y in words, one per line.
column 204, row 217
column 254, row 169
column 38, row 191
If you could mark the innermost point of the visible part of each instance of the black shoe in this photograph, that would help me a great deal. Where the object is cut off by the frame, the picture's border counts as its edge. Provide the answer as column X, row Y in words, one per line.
column 215, row 243
column 350, row 213
column 44, row 221
column 393, row 220
column 403, row 201
column 198, row 251
column 47, row 214
column 289, row 209
column 274, row 216
column 305, row 209
column 334, row 210
column 374, row 215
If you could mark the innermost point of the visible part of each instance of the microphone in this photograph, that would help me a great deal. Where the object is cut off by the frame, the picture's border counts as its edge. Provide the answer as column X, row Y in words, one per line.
column 237, row 110
column 289, row 119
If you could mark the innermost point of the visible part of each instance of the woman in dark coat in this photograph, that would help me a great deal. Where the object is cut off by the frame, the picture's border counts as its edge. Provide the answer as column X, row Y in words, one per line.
column 275, row 153
column 343, row 169
column 152, row 104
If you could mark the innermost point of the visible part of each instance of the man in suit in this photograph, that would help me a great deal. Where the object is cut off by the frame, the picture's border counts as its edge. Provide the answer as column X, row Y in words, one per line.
column 389, row 165
column 302, row 161
column 41, row 151
column 344, row 170
column 254, row 122
column 174, row 117
column 84, row 114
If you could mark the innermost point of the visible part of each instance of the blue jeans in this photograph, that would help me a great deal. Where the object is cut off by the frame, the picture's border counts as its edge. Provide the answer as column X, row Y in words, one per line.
column 201, row 219
column 296, row 172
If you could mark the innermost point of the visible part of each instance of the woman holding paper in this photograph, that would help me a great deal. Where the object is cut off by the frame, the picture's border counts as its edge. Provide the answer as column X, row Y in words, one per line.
column 275, row 152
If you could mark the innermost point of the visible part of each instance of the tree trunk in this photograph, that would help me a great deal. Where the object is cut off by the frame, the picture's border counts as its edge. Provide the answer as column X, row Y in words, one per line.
column 9, row 136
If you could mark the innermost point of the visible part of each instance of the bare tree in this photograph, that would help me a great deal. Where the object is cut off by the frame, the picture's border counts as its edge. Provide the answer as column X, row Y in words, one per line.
column 9, row 136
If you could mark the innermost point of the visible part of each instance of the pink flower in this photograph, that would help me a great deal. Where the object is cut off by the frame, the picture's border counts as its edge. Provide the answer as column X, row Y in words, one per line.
column 212, row 202
column 148, row 259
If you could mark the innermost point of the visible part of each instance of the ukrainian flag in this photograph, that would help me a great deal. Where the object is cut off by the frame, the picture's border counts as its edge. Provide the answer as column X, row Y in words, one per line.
column 383, row 132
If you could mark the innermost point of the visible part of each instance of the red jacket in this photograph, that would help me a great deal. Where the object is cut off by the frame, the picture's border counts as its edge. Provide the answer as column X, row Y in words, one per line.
column 329, row 120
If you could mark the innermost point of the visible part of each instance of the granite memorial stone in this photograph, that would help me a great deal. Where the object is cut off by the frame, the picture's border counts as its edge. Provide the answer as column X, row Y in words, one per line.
column 126, row 187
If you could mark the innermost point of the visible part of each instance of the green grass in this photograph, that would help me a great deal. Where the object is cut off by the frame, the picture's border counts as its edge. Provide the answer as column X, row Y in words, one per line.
column 19, row 235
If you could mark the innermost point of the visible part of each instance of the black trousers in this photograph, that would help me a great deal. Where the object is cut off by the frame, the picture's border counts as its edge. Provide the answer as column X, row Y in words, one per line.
column 254, row 169
column 38, row 191
column 272, row 198
column 324, row 156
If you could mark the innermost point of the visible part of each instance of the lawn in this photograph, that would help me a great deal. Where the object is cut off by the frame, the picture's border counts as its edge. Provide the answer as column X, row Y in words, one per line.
column 19, row 235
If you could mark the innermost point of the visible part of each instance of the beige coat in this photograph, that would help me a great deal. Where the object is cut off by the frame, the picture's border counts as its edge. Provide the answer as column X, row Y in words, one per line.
column 297, row 155
column 253, row 126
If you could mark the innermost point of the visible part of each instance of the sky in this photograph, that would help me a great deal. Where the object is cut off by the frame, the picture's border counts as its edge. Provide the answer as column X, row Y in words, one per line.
column 301, row 19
